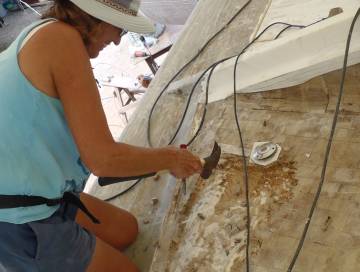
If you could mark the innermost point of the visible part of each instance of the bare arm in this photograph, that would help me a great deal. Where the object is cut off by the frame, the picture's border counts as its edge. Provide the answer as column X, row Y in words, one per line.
column 77, row 90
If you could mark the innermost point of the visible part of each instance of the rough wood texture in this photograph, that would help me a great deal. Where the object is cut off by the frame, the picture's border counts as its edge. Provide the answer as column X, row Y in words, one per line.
column 206, row 231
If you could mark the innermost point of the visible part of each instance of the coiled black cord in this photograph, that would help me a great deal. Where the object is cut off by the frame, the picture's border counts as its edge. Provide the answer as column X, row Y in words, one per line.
column 211, row 67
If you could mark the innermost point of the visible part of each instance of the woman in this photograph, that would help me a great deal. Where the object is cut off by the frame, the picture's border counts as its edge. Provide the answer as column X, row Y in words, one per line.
column 50, row 117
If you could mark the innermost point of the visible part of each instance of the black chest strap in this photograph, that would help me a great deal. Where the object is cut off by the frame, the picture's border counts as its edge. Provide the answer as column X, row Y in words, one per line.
column 17, row 201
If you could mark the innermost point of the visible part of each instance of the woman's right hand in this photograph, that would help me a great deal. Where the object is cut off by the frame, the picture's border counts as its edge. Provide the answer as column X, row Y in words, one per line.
column 184, row 163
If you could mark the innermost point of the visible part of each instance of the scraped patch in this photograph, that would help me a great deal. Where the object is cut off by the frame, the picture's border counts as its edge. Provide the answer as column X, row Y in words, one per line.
column 211, row 232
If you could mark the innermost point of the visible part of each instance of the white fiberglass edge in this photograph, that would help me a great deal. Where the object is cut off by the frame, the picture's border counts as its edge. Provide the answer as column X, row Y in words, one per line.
column 302, row 12
column 289, row 60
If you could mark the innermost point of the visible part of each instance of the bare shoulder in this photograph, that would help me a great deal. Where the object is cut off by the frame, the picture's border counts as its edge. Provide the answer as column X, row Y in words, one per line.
column 51, row 49
column 58, row 30
column 65, row 52
column 59, row 38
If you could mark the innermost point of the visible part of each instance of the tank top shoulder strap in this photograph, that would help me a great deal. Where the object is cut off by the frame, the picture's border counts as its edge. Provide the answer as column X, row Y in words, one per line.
column 28, row 29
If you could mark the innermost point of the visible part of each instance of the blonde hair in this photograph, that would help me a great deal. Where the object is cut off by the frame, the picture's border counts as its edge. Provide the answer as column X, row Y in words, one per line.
column 67, row 12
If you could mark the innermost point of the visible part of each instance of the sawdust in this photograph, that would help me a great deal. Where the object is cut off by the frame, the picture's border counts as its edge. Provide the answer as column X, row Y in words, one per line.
column 277, row 177
column 211, row 233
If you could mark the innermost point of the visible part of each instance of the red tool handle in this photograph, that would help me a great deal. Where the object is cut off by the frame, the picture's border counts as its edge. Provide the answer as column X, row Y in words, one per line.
column 183, row 146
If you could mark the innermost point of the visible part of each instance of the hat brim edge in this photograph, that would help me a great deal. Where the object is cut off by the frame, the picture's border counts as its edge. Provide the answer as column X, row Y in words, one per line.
column 138, row 24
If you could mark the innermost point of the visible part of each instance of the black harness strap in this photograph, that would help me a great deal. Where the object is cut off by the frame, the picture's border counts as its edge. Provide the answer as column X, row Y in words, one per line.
column 16, row 201
column 72, row 199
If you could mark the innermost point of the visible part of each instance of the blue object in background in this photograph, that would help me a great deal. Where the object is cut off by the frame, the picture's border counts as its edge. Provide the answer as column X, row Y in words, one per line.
column 10, row 4
column 3, row 11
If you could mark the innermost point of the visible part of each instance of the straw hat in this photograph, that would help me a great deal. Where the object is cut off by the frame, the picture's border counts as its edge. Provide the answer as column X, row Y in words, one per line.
column 120, row 13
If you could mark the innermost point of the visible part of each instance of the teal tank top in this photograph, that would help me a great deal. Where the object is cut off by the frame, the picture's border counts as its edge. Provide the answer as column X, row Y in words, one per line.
column 38, row 155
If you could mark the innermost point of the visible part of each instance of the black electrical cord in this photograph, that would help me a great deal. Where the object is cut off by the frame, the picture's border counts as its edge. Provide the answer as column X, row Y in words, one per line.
column 124, row 192
column 211, row 67
column 245, row 168
column 188, row 63
column 196, row 134
column 245, row 173
column 171, row 80
column 298, row 26
column 282, row 31
column 328, row 148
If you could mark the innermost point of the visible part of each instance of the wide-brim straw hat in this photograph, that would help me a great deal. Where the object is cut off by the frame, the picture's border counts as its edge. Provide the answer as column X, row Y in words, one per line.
column 120, row 13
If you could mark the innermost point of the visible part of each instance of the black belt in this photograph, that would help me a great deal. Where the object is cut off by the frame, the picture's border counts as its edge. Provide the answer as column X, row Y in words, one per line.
column 17, row 201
